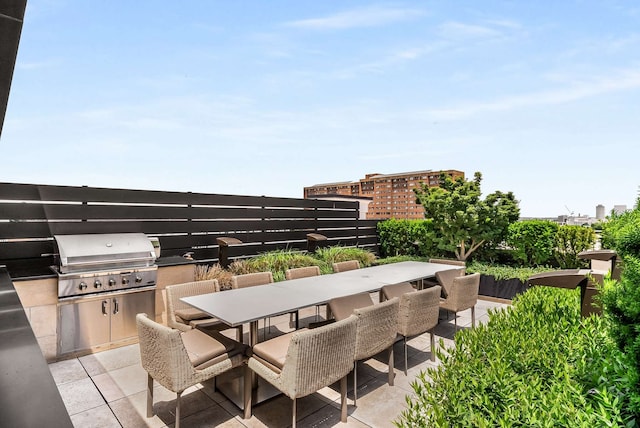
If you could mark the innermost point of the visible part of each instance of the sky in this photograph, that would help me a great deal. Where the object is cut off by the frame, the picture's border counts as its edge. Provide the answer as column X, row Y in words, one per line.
column 262, row 97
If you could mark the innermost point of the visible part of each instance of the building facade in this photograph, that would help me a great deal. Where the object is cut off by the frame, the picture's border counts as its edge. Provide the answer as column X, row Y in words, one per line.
column 391, row 195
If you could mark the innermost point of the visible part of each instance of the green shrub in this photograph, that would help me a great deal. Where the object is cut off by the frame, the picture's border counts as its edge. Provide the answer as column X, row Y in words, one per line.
column 532, row 241
column 534, row 364
column 398, row 259
column 618, row 226
column 571, row 240
column 405, row 237
column 621, row 300
column 277, row 262
column 501, row 272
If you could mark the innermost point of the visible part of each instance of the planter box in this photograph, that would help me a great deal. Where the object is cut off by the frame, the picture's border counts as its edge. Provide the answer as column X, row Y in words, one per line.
column 502, row 288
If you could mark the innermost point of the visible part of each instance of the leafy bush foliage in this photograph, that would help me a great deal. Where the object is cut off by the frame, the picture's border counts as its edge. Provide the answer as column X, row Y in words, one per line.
column 501, row 272
column 617, row 228
column 405, row 237
column 533, row 241
column 534, row 364
column 571, row 240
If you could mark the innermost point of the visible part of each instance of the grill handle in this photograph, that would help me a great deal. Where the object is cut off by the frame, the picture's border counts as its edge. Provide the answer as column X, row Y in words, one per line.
column 104, row 307
column 104, row 261
column 116, row 309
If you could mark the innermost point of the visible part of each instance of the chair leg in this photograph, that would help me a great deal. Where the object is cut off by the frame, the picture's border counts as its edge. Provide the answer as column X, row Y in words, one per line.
column 473, row 316
column 248, row 392
column 179, row 394
column 455, row 320
column 433, row 346
column 355, row 382
column 149, row 396
column 406, row 364
column 293, row 422
column 343, row 399
column 391, row 369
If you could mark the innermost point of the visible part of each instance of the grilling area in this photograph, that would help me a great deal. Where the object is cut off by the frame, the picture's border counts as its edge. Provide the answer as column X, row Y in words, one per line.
column 81, row 262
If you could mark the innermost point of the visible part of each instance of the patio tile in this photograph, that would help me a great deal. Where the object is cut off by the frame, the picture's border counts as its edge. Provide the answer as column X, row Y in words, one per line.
column 329, row 416
column 276, row 412
column 80, row 395
column 67, row 371
column 213, row 416
column 111, row 359
column 120, row 383
column 99, row 417
column 380, row 405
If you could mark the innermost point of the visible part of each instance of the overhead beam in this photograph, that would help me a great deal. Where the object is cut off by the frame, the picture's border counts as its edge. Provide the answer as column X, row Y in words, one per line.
column 11, row 18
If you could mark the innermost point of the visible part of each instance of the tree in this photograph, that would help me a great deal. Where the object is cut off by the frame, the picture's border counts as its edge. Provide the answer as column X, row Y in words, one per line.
column 462, row 220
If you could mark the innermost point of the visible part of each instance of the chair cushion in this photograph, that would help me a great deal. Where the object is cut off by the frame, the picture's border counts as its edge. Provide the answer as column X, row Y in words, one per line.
column 273, row 352
column 343, row 307
column 191, row 314
column 204, row 350
column 396, row 290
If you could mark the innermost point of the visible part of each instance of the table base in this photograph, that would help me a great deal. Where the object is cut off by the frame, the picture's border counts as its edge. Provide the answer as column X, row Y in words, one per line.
column 231, row 385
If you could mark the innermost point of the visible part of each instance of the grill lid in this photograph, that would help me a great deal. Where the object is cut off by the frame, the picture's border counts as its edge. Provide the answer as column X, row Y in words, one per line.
column 103, row 251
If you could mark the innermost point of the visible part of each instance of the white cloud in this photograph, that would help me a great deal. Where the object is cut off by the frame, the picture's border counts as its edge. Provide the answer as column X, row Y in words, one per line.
column 461, row 31
column 625, row 79
column 358, row 18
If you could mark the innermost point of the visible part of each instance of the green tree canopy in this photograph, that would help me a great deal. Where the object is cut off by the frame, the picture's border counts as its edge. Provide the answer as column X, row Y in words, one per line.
column 462, row 220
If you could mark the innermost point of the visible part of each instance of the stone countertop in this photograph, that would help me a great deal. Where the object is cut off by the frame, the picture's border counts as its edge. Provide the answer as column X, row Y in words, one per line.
column 28, row 394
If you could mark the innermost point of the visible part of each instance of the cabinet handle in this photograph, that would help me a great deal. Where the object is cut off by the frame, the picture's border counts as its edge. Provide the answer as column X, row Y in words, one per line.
column 104, row 307
column 116, row 309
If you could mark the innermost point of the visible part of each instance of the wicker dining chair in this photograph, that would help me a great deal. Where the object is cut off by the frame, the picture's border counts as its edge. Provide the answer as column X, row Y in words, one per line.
column 445, row 279
column 178, row 359
column 303, row 272
column 302, row 362
column 377, row 329
column 418, row 312
column 184, row 317
column 252, row 280
column 462, row 295
column 345, row 266
column 430, row 282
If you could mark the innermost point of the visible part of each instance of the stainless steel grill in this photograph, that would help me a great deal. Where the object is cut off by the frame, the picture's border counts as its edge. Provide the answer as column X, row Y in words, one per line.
column 104, row 280
column 99, row 263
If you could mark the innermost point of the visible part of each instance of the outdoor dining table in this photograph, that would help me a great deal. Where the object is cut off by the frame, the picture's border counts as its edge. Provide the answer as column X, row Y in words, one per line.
column 249, row 305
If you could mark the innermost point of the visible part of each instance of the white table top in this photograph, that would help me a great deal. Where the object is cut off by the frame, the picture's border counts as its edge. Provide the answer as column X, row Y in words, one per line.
column 236, row 307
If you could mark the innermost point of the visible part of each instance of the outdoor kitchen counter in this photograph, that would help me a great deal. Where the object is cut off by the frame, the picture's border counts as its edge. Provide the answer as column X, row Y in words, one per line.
column 28, row 394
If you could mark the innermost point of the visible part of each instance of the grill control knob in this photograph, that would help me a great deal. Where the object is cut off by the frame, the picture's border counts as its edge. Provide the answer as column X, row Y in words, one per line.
column 125, row 280
column 112, row 282
column 82, row 285
column 97, row 284
column 138, row 279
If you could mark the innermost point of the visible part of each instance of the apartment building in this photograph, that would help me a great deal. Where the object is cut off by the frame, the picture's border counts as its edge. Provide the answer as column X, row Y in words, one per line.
column 391, row 194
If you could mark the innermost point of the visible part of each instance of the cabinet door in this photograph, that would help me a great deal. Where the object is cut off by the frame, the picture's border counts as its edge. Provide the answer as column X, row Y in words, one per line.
column 124, row 309
column 83, row 325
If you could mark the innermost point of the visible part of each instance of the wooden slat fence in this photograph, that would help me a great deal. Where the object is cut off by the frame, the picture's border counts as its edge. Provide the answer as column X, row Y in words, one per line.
column 184, row 222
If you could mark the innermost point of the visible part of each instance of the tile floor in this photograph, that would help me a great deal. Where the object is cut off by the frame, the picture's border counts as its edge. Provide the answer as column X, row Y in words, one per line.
column 108, row 389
